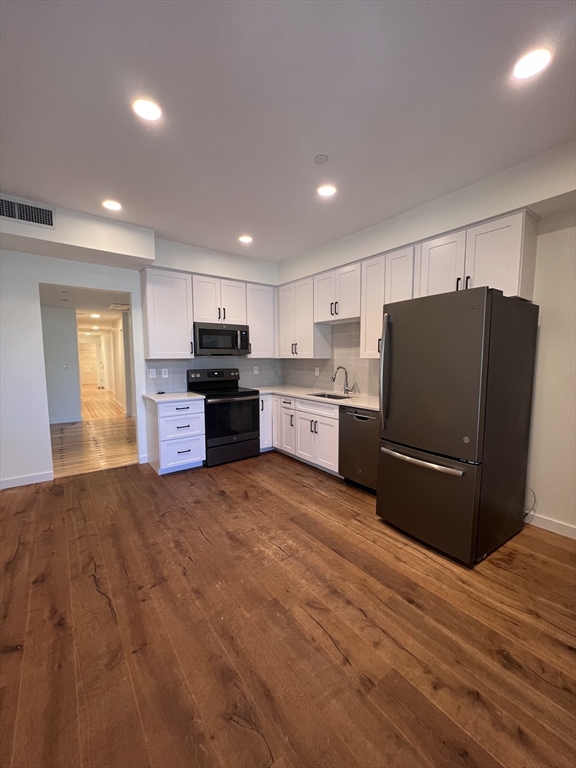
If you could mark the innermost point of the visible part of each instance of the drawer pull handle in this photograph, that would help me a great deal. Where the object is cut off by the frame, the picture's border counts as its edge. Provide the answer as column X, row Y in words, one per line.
column 183, row 408
column 186, row 426
column 186, row 451
column 287, row 402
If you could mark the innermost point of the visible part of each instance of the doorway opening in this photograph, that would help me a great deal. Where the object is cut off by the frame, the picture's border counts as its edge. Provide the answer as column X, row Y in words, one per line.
column 87, row 355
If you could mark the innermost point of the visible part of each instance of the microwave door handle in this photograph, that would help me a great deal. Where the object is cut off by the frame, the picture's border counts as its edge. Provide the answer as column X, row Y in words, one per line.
column 238, row 340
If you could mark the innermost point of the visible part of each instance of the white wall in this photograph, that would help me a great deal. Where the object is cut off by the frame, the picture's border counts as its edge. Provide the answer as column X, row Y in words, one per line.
column 552, row 462
column 119, row 372
column 192, row 258
column 88, row 358
column 61, row 361
column 23, row 399
column 540, row 178
column 105, row 343
column 82, row 237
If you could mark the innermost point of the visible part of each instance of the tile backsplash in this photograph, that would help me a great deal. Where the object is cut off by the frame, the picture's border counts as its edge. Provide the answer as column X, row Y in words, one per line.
column 269, row 372
column 362, row 374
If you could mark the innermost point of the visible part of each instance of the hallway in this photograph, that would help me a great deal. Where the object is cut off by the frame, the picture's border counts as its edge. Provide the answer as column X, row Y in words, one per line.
column 105, row 438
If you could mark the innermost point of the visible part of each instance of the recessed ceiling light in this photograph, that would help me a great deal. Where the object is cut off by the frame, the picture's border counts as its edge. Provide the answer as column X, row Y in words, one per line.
column 112, row 205
column 95, row 315
column 245, row 239
column 87, row 333
column 327, row 190
column 95, row 327
column 532, row 63
column 146, row 109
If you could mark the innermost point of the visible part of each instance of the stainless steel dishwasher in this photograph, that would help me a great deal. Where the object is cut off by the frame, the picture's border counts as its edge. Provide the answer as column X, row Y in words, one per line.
column 358, row 445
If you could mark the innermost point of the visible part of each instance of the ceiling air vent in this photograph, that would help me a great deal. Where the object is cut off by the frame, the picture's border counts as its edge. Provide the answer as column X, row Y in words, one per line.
column 31, row 214
column 120, row 307
column 8, row 208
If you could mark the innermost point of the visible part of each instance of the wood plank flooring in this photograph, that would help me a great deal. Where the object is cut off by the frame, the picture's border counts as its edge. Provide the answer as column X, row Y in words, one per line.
column 99, row 403
column 106, row 438
column 260, row 614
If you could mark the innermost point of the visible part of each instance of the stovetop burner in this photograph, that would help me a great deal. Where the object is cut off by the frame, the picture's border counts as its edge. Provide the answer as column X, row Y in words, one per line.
column 217, row 383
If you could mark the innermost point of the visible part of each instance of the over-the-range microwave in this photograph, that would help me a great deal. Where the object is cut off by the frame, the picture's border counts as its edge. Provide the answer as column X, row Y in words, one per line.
column 220, row 339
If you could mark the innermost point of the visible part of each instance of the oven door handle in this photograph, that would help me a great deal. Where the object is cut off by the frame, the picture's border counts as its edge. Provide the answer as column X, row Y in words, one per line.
column 216, row 400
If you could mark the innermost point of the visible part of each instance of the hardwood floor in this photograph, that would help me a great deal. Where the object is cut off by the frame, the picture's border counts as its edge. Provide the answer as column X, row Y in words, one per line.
column 106, row 438
column 99, row 404
column 259, row 614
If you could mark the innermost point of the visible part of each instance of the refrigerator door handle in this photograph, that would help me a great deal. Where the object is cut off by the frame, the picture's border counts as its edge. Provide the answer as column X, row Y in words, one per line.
column 383, row 396
column 425, row 464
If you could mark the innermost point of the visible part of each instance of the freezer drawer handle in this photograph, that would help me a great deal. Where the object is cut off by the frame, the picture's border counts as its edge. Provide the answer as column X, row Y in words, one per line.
column 426, row 464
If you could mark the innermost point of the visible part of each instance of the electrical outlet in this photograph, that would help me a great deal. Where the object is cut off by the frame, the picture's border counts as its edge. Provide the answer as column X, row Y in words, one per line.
column 164, row 373
column 255, row 369
column 152, row 373
column 316, row 371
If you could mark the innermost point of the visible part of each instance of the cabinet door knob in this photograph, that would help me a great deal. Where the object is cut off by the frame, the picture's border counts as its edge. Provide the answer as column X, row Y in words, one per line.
column 296, row 348
column 291, row 420
column 379, row 345
column 331, row 307
column 458, row 281
column 316, row 427
column 224, row 313
column 467, row 281
column 219, row 314
column 335, row 307
column 311, row 426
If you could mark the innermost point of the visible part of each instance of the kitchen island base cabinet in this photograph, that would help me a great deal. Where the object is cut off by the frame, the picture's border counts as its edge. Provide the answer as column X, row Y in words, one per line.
column 176, row 434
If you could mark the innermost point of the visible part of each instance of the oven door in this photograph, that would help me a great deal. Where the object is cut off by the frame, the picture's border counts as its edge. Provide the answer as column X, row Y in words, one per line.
column 231, row 420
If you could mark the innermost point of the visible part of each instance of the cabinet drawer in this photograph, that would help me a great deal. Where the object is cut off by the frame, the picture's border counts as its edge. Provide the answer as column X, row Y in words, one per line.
column 181, row 426
column 176, row 452
column 286, row 402
column 319, row 409
column 180, row 407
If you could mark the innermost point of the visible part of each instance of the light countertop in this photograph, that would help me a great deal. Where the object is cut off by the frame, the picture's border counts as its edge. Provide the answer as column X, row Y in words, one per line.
column 369, row 402
column 170, row 397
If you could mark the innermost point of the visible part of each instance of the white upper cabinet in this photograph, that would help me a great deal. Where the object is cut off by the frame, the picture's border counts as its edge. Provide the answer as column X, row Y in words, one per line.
column 260, row 319
column 399, row 274
column 219, row 301
column 337, row 294
column 385, row 278
column 233, row 302
column 168, row 314
column 371, row 306
column 299, row 337
column 499, row 254
column 442, row 264
column 286, row 320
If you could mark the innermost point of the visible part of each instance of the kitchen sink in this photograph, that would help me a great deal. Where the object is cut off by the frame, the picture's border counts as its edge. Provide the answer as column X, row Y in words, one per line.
column 330, row 395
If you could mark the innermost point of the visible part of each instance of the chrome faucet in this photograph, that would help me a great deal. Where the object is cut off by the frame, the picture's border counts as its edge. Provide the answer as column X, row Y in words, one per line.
column 347, row 389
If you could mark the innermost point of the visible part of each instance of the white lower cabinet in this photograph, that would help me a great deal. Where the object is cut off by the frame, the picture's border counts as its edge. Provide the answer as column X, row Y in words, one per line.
column 306, row 429
column 283, row 424
column 176, row 434
column 317, row 433
column 265, row 422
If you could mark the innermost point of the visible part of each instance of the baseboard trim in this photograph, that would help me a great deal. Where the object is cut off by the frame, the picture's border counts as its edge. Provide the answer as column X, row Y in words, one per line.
column 67, row 421
column 564, row 529
column 14, row 482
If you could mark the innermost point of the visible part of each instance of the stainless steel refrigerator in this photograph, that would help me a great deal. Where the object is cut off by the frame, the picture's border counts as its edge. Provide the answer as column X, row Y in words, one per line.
column 456, row 379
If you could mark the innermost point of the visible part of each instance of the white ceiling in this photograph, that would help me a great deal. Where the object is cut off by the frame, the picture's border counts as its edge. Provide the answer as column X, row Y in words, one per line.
column 410, row 100
column 85, row 301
